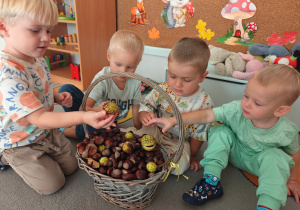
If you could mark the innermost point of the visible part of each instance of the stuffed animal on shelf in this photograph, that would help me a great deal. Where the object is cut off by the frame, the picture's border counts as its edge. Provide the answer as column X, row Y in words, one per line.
column 253, row 65
column 226, row 62
column 266, row 50
column 292, row 60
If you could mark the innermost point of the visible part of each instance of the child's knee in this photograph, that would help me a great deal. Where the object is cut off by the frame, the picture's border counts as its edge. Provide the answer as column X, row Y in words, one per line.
column 51, row 185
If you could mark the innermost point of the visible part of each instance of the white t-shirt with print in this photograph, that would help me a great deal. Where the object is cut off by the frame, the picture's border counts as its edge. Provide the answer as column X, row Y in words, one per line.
column 24, row 88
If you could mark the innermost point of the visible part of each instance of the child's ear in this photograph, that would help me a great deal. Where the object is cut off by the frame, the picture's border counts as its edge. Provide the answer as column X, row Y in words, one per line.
column 107, row 55
column 3, row 29
column 282, row 110
column 203, row 76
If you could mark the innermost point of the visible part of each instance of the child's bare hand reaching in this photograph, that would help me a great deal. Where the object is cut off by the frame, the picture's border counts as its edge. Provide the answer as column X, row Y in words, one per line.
column 167, row 122
column 294, row 189
column 64, row 99
column 147, row 117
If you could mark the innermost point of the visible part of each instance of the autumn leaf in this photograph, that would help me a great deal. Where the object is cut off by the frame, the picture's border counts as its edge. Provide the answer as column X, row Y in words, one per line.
column 154, row 33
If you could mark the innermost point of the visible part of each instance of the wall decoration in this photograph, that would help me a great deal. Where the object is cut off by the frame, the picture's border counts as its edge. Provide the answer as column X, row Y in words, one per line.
column 138, row 14
column 154, row 33
column 203, row 32
column 239, row 34
column 176, row 12
column 271, row 16
column 288, row 37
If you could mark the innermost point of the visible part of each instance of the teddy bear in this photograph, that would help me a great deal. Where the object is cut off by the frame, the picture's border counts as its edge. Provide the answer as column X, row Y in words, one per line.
column 226, row 62
column 253, row 65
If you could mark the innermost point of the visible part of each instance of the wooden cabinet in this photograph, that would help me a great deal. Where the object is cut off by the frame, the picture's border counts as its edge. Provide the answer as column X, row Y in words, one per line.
column 95, row 22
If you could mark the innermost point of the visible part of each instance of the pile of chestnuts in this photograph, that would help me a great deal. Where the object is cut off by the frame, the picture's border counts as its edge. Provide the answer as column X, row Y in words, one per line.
column 121, row 155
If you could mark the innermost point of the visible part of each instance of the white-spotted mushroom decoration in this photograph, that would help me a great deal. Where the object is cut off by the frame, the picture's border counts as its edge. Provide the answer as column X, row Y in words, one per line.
column 238, row 10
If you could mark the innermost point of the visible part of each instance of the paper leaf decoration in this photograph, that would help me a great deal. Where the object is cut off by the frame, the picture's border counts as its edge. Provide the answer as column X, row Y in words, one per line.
column 153, row 33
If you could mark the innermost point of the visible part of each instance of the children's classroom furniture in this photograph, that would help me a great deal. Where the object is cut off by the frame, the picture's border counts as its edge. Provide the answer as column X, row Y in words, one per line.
column 95, row 22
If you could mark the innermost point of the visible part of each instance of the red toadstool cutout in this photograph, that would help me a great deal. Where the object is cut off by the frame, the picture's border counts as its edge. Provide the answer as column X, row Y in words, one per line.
column 190, row 9
column 252, row 26
column 238, row 10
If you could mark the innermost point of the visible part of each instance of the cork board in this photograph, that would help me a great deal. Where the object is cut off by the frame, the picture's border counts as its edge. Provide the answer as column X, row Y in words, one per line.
column 271, row 16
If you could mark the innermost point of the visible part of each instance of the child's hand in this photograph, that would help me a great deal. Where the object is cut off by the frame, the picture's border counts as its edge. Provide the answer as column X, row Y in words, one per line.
column 167, row 122
column 99, row 119
column 293, row 190
column 64, row 99
column 147, row 117
column 195, row 164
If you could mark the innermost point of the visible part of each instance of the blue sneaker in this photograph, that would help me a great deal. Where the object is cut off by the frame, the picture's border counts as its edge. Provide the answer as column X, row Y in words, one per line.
column 2, row 165
column 202, row 192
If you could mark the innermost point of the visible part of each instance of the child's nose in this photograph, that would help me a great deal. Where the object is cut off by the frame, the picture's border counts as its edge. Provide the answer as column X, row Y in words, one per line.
column 45, row 37
column 178, row 83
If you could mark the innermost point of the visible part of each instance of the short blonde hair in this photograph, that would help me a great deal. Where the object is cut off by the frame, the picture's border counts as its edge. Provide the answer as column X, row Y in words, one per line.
column 127, row 41
column 191, row 51
column 44, row 11
column 285, row 79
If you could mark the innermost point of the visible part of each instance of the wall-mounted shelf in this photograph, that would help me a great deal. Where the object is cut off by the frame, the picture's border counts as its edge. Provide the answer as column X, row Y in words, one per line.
column 95, row 23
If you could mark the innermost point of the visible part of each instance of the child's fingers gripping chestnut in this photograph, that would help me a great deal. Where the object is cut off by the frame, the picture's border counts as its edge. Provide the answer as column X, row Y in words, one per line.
column 99, row 119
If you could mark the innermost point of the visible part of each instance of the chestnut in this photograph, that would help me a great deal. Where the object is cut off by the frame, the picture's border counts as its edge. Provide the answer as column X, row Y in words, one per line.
column 106, row 152
column 96, row 156
column 93, row 149
column 126, row 171
column 79, row 144
column 81, row 149
column 141, row 174
column 116, row 173
column 127, row 164
column 109, row 170
column 120, row 164
column 149, row 154
column 128, row 177
column 98, row 140
column 86, row 141
column 142, row 165
column 134, row 169
column 103, row 170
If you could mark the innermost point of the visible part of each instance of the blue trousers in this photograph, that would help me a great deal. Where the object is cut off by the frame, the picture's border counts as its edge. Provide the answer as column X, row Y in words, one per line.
column 77, row 96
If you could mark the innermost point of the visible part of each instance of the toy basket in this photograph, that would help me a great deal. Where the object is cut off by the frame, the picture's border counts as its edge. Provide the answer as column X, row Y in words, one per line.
column 135, row 194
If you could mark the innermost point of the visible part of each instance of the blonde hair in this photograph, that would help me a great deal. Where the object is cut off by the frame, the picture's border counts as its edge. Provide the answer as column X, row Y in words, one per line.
column 191, row 51
column 286, row 81
column 127, row 41
column 44, row 11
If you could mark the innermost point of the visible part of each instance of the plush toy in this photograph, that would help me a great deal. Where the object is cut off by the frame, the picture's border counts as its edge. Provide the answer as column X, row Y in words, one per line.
column 292, row 60
column 226, row 62
column 266, row 50
column 253, row 65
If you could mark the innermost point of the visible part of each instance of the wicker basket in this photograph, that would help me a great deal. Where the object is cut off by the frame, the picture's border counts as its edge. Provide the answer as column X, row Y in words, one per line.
column 135, row 194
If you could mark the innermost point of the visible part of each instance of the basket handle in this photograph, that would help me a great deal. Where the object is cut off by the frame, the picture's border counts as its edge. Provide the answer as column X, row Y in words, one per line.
column 178, row 153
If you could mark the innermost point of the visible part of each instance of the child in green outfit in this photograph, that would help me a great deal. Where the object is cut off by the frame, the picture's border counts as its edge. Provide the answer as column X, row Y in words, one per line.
column 256, row 137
